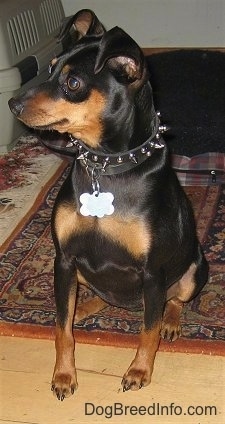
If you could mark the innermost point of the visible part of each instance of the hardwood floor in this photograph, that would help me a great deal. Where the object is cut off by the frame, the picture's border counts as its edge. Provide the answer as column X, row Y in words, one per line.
column 179, row 381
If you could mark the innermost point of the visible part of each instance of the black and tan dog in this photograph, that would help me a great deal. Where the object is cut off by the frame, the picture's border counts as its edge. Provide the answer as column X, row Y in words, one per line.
column 121, row 222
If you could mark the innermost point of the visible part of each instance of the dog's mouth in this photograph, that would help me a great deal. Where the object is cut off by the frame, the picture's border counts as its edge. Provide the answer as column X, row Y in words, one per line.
column 50, row 126
column 54, row 140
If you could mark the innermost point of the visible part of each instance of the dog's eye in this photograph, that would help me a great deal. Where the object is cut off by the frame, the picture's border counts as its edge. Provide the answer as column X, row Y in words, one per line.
column 73, row 83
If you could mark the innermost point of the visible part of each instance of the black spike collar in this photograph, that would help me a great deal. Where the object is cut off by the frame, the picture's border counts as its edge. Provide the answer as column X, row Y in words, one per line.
column 116, row 163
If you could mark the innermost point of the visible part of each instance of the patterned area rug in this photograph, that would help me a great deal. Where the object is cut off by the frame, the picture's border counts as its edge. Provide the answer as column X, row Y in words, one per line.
column 27, row 305
column 23, row 173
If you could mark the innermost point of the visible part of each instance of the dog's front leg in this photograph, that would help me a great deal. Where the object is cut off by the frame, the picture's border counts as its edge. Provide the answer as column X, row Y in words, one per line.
column 140, row 371
column 64, row 381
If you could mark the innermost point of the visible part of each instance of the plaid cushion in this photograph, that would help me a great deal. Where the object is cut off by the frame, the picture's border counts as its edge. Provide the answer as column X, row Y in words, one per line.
column 204, row 169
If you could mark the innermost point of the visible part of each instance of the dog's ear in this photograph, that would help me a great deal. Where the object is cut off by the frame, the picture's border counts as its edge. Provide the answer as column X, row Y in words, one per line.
column 85, row 22
column 120, row 52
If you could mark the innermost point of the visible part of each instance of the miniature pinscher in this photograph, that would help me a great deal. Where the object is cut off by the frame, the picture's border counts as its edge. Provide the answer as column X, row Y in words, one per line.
column 121, row 223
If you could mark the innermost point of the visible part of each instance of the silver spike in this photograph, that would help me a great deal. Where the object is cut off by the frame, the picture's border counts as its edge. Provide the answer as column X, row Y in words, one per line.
column 119, row 159
column 105, row 163
column 148, row 153
column 70, row 144
column 143, row 150
column 73, row 140
column 159, row 145
column 163, row 128
column 83, row 156
column 133, row 158
column 95, row 158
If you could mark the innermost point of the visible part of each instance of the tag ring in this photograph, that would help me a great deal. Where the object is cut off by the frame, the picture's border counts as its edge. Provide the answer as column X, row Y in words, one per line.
column 95, row 182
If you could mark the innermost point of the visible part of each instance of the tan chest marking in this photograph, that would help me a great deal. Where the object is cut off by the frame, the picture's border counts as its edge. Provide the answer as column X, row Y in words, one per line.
column 131, row 233
column 68, row 221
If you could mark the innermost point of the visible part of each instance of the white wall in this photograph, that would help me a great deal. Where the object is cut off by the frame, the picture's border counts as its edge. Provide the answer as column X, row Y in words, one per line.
column 161, row 23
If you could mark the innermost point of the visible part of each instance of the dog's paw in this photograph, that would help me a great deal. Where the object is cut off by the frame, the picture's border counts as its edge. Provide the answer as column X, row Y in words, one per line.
column 171, row 328
column 135, row 379
column 63, row 385
column 170, row 331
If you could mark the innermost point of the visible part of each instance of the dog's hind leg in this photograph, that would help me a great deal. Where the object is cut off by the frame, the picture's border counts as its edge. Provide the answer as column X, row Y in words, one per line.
column 181, row 292
column 90, row 307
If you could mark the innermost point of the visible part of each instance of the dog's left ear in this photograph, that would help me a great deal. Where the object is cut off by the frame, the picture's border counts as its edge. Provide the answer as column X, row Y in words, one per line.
column 85, row 22
column 120, row 52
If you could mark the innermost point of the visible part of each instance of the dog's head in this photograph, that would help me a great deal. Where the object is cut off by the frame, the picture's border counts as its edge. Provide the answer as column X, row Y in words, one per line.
column 91, row 89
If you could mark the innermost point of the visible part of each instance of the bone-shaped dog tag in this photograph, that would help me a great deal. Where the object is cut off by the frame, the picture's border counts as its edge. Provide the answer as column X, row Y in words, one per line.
column 96, row 204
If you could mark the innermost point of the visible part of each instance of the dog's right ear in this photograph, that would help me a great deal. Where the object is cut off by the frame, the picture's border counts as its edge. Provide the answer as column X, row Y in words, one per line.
column 85, row 22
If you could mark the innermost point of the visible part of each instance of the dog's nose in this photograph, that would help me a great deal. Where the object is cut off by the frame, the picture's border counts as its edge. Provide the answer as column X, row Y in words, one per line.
column 16, row 106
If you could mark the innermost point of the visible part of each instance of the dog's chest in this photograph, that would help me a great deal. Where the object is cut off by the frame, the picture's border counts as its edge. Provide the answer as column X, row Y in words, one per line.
column 129, row 232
